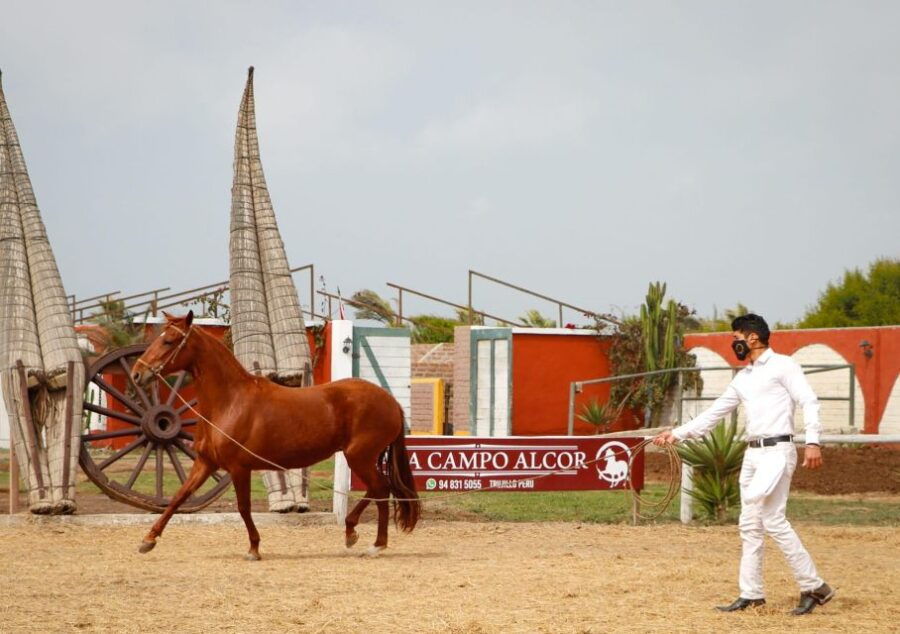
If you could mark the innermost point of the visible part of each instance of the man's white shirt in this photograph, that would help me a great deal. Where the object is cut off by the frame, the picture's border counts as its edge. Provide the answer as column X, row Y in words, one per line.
column 769, row 388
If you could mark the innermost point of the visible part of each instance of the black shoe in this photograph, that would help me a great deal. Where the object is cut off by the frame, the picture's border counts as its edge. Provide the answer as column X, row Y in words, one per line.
column 811, row 598
column 741, row 604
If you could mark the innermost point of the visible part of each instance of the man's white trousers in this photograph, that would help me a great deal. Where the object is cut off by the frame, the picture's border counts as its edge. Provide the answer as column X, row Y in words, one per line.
column 765, row 483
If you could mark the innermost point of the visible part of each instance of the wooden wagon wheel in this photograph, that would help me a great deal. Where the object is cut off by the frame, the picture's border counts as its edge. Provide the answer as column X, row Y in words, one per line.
column 157, row 426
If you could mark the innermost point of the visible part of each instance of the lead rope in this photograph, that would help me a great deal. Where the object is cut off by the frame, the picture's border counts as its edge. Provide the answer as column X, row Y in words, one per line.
column 658, row 507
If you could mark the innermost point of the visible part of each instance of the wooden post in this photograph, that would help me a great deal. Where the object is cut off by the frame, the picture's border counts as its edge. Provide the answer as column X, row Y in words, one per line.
column 13, row 480
column 341, row 487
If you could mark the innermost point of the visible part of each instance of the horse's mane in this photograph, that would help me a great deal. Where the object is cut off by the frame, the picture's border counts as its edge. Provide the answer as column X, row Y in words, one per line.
column 225, row 357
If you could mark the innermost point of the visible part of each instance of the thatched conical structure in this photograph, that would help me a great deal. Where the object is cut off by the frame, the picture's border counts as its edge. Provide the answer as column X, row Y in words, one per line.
column 40, row 362
column 267, row 326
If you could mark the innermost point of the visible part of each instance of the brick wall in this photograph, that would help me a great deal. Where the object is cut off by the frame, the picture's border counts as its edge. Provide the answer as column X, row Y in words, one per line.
column 460, row 398
column 433, row 361
column 422, row 404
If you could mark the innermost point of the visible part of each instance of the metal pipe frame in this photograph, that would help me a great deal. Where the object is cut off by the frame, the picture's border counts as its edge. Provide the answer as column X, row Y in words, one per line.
column 193, row 295
column 559, row 303
column 576, row 387
column 404, row 289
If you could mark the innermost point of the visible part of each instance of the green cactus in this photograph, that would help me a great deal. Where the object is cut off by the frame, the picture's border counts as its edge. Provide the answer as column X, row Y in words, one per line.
column 659, row 328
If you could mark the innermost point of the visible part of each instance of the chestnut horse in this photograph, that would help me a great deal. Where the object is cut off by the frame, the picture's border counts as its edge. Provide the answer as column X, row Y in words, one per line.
column 291, row 427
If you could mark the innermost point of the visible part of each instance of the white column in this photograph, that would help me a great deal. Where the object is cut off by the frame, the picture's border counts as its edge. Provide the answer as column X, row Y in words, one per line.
column 687, row 512
column 341, row 368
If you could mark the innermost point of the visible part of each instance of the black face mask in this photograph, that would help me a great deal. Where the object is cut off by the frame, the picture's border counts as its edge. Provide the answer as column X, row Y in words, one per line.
column 741, row 348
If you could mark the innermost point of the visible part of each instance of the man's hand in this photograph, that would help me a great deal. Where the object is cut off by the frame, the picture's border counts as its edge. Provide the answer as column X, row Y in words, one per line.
column 812, row 457
column 664, row 438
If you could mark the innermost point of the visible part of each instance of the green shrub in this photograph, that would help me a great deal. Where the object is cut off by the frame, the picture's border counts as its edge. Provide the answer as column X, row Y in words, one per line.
column 716, row 459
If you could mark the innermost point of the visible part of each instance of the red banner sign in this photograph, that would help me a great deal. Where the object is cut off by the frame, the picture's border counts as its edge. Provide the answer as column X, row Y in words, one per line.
column 521, row 463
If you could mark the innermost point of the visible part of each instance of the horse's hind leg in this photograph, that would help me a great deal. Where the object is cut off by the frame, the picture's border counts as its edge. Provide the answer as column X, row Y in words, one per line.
column 351, row 536
column 376, row 488
column 241, row 480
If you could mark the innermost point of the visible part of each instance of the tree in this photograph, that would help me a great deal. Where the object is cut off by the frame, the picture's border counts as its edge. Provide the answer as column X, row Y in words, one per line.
column 117, row 324
column 433, row 329
column 370, row 305
column 859, row 299
column 534, row 319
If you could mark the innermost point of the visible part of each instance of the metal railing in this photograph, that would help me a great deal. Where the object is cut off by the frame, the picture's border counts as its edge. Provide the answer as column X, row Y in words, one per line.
column 157, row 302
column 467, row 309
column 331, row 297
column 559, row 303
column 576, row 387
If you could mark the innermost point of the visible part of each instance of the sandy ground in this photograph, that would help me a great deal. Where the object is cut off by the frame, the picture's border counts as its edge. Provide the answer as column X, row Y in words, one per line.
column 445, row 577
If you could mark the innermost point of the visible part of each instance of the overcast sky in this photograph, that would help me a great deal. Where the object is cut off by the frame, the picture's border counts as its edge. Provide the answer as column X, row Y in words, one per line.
column 739, row 151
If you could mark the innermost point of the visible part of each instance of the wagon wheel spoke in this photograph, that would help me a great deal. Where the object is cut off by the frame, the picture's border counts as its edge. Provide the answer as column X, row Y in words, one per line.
column 159, row 471
column 122, row 398
column 189, row 422
column 186, row 435
column 122, row 452
column 139, row 467
column 154, row 393
column 173, row 389
column 104, row 435
column 191, row 403
column 140, row 392
column 187, row 450
column 217, row 476
column 111, row 413
column 176, row 463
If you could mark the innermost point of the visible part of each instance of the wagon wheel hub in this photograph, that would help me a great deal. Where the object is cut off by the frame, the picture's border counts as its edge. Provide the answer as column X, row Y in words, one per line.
column 161, row 424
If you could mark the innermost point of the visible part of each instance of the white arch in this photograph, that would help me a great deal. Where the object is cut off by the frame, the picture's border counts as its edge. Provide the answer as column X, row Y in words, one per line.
column 834, row 415
column 714, row 382
column 890, row 421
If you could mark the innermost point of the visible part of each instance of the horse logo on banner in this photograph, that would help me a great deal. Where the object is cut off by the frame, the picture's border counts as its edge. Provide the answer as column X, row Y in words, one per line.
column 612, row 463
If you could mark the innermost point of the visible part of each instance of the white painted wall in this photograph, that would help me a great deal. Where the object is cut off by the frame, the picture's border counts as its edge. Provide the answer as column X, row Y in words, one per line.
column 890, row 422
column 501, row 388
column 393, row 357
column 834, row 415
column 341, row 362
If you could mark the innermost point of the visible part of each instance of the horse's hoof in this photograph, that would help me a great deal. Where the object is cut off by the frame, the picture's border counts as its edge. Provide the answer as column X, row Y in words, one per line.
column 351, row 539
column 252, row 557
column 146, row 547
column 374, row 551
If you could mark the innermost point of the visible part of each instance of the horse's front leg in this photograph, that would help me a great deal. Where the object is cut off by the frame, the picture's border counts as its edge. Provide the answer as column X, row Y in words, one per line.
column 241, row 481
column 201, row 470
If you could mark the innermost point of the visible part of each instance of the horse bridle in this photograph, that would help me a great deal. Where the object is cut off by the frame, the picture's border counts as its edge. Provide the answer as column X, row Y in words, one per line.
column 174, row 353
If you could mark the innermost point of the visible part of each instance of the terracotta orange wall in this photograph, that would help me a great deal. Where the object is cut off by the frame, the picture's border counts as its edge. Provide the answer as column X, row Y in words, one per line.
column 543, row 367
column 876, row 375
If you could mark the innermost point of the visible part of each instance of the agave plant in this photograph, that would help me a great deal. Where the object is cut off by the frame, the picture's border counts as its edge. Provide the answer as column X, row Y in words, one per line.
column 716, row 459
column 600, row 415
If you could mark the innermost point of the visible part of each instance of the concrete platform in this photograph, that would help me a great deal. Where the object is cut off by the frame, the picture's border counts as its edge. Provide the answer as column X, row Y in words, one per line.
column 136, row 519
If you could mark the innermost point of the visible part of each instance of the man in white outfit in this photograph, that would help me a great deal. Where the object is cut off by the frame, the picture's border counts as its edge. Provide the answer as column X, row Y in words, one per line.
column 769, row 387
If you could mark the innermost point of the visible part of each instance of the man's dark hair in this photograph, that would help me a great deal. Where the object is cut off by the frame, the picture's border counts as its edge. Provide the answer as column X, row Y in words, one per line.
column 745, row 324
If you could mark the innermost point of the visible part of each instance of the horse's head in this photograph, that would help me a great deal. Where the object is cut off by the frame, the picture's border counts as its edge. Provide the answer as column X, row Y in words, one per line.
column 168, row 353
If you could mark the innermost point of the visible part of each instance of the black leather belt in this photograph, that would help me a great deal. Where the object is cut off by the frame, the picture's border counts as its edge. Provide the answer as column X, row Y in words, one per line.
column 768, row 442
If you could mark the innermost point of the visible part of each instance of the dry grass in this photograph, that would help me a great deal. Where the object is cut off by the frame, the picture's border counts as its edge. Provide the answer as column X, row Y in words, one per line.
column 445, row 577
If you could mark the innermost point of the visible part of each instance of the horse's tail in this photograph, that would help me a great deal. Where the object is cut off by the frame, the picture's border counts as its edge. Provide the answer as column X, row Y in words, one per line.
column 407, row 506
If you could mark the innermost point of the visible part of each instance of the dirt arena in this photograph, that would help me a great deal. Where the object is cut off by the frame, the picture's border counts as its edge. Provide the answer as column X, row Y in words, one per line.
column 445, row 577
